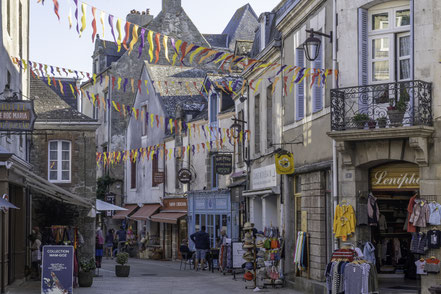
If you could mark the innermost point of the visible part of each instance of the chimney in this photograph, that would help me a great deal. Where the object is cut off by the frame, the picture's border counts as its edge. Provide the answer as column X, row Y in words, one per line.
column 139, row 19
column 171, row 6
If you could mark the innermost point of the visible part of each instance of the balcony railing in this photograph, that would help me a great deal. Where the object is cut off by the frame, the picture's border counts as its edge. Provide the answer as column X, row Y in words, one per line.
column 382, row 106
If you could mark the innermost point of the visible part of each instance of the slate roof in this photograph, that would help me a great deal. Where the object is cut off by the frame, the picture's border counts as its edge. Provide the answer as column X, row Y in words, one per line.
column 51, row 107
column 68, row 97
column 286, row 7
column 174, row 93
column 242, row 25
column 217, row 40
column 271, row 33
column 108, row 48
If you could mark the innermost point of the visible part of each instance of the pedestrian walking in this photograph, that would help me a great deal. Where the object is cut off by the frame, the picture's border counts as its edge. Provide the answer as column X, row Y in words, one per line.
column 109, row 244
column 201, row 240
column 35, row 256
column 122, row 238
column 99, row 244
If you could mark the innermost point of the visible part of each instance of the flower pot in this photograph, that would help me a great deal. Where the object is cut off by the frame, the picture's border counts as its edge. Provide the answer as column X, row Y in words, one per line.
column 396, row 117
column 360, row 124
column 382, row 123
column 85, row 279
column 122, row 271
column 372, row 124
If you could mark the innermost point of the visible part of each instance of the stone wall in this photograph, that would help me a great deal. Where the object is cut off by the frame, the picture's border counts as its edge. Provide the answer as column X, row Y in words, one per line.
column 83, row 179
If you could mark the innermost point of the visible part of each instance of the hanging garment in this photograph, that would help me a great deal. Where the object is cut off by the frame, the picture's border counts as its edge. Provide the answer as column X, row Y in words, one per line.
column 369, row 252
column 435, row 213
column 419, row 243
column 410, row 227
column 336, row 279
column 353, row 279
column 420, row 215
column 434, row 239
column 344, row 221
column 420, row 267
column 432, row 265
column 365, row 278
column 373, row 279
column 373, row 211
column 397, row 249
column 362, row 211
column 383, row 223
column 328, row 277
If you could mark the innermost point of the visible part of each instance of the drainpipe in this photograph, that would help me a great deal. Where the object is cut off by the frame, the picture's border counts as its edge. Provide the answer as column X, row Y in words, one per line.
column 334, row 85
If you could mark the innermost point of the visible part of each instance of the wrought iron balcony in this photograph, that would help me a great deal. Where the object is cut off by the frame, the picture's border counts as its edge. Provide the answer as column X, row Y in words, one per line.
column 382, row 106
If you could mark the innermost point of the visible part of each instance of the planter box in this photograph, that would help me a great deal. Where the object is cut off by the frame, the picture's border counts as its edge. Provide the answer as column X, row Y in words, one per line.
column 395, row 117
column 122, row 271
column 85, row 279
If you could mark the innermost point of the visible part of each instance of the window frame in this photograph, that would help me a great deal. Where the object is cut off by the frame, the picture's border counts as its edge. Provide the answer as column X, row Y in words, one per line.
column 59, row 161
column 299, row 86
column 144, row 125
column 257, row 124
column 133, row 175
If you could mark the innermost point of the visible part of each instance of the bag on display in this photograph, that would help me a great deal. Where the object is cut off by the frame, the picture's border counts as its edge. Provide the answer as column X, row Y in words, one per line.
column 267, row 244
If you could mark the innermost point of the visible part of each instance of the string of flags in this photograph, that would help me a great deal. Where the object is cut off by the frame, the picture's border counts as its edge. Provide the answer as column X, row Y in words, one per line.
column 148, row 153
column 182, row 52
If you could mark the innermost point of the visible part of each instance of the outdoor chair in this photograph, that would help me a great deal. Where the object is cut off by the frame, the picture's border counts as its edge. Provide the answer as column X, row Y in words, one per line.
column 186, row 259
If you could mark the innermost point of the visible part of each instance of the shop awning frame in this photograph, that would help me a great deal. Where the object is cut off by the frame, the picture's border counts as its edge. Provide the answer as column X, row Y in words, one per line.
column 145, row 212
column 105, row 206
column 262, row 193
column 168, row 217
column 122, row 214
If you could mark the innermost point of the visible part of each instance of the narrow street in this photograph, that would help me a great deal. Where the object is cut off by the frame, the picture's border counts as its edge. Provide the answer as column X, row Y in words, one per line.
column 151, row 277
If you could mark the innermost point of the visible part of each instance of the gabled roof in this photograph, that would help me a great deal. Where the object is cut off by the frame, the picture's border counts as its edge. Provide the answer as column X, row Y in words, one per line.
column 178, row 86
column 242, row 25
column 108, row 48
column 50, row 107
column 68, row 97
column 271, row 33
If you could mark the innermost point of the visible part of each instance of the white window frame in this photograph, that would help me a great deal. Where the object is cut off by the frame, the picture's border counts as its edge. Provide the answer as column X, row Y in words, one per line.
column 144, row 127
column 392, row 33
column 59, row 161
column 399, row 58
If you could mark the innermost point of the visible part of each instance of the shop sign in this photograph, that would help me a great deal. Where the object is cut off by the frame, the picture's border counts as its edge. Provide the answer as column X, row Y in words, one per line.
column 264, row 177
column 175, row 204
column 57, row 269
column 158, row 178
column 395, row 176
column 18, row 116
column 224, row 163
column 285, row 164
column 184, row 175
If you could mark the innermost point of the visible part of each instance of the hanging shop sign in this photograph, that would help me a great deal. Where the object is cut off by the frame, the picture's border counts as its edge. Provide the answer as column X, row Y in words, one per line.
column 184, row 175
column 224, row 163
column 158, row 178
column 18, row 116
column 285, row 163
column 57, row 269
column 399, row 176
column 264, row 177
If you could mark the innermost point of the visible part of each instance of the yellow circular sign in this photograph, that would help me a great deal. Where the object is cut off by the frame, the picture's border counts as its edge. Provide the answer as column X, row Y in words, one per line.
column 285, row 164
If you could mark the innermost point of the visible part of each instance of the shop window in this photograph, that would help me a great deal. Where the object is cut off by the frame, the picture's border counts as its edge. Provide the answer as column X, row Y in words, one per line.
column 257, row 124
column 145, row 123
column 132, row 175
column 269, row 116
column 213, row 108
column 298, row 202
column 59, row 164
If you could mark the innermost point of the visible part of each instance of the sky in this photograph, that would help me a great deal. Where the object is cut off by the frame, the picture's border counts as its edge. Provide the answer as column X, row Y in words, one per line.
column 53, row 43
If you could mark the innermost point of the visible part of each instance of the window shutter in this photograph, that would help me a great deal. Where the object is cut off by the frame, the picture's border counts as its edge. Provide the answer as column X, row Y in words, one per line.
column 300, row 87
column 363, row 52
column 317, row 90
column 412, row 39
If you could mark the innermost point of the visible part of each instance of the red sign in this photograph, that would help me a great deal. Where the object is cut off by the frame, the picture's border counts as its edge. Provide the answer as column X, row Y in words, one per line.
column 175, row 204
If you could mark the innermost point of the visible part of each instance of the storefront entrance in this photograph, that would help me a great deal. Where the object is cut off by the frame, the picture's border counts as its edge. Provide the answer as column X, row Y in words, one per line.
column 393, row 185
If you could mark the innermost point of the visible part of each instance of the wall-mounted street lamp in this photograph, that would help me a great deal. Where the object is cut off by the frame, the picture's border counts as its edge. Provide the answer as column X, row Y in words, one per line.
column 312, row 44
column 236, row 127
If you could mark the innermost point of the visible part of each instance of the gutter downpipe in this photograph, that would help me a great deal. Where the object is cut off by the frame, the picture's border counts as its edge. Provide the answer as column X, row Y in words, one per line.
column 334, row 86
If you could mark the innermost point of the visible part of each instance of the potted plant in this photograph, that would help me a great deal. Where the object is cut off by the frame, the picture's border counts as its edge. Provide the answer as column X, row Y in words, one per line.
column 372, row 124
column 121, row 269
column 86, row 272
column 360, row 120
column 382, row 122
column 396, row 111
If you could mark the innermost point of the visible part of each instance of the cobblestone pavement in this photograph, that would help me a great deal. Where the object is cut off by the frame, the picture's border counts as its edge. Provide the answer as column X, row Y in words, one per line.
column 162, row 277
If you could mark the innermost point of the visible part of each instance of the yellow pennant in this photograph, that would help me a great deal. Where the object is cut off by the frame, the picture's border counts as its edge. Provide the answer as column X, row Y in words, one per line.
column 61, row 87
column 177, row 45
column 275, row 84
column 222, row 57
column 106, row 80
column 69, row 17
column 118, row 28
column 211, row 53
column 151, row 46
column 94, row 79
column 152, row 117
column 132, row 81
column 256, row 87
column 72, row 89
column 146, row 87
column 170, row 122
column 134, row 38
column 83, row 18
column 119, row 83
column 165, row 42
column 102, row 22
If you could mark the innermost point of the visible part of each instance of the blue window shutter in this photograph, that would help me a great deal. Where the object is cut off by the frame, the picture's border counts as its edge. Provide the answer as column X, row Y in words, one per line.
column 317, row 90
column 300, row 87
column 412, row 39
column 363, row 52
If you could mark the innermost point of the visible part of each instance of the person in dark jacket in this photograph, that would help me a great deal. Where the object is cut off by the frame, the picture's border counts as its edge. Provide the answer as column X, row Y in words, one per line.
column 201, row 241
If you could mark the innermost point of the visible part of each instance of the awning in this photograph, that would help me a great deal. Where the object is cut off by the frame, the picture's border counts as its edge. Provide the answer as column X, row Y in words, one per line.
column 51, row 190
column 104, row 206
column 251, row 193
column 168, row 217
column 6, row 204
column 145, row 212
column 122, row 214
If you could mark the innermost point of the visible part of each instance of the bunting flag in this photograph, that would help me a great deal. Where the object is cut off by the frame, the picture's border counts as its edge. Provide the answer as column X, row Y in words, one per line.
column 158, row 46
column 83, row 18
column 165, row 42
column 151, row 46
column 94, row 24
column 69, row 18
column 141, row 46
column 111, row 27
column 176, row 46
column 76, row 15
column 118, row 28
column 56, row 7
column 102, row 23
column 127, row 33
column 134, row 38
